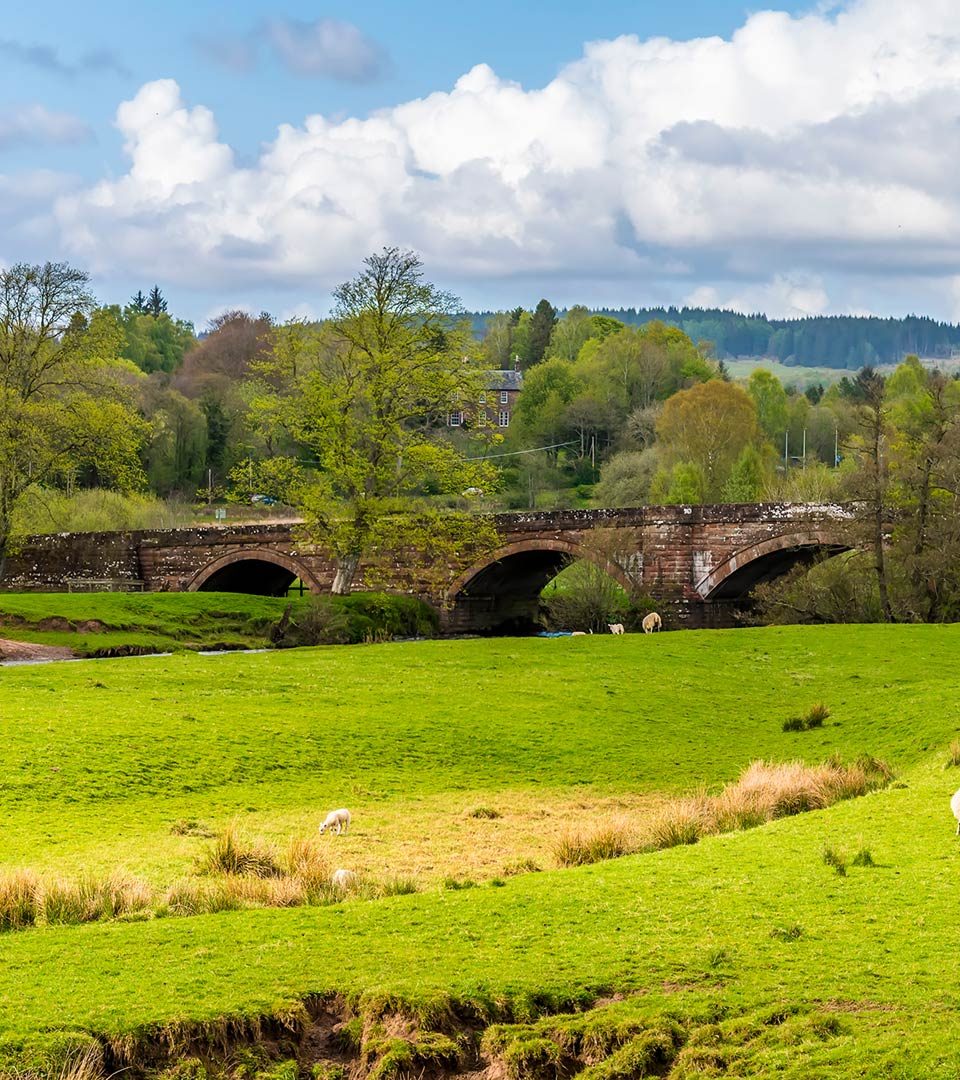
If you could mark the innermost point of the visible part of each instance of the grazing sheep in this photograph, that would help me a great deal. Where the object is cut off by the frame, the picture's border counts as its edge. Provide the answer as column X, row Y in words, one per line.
column 955, row 807
column 616, row 628
column 343, row 880
column 579, row 633
column 336, row 819
column 651, row 623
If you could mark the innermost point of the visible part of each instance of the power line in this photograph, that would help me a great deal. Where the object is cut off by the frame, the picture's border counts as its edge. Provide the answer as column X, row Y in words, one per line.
column 534, row 450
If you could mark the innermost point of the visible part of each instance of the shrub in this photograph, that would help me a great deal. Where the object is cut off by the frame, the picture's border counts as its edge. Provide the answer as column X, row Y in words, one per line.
column 604, row 842
column 18, row 901
column 863, row 857
column 359, row 617
column 794, row 723
column 834, row 858
column 231, row 854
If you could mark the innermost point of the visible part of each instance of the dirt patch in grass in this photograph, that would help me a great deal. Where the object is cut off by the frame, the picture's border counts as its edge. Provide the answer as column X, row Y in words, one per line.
column 25, row 650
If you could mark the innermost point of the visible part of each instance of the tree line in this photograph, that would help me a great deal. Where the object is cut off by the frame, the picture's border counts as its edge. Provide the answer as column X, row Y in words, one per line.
column 835, row 341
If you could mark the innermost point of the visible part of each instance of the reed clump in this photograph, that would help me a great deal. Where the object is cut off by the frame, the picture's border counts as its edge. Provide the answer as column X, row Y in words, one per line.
column 763, row 792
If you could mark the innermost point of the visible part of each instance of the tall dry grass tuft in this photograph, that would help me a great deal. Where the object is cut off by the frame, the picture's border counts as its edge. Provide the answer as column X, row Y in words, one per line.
column 607, row 841
column 85, row 1064
column 89, row 899
column 305, row 862
column 231, row 853
column 680, row 821
column 763, row 792
column 18, row 901
column 198, row 898
column 953, row 754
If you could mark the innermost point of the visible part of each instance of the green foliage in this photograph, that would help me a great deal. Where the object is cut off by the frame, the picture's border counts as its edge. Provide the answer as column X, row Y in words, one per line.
column 708, row 426
column 770, row 400
column 364, row 396
column 747, row 482
column 231, row 853
column 684, row 484
column 64, row 411
column 836, row 860
column 584, row 596
column 154, row 342
column 541, row 328
column 46, row 510
column 360, row 617
column 813, row 718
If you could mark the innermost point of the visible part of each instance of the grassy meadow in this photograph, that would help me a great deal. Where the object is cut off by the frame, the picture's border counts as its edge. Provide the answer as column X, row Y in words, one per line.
column 779, row 950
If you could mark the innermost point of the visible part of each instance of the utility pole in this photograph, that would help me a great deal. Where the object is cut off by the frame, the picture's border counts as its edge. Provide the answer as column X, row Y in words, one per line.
column 804, row 448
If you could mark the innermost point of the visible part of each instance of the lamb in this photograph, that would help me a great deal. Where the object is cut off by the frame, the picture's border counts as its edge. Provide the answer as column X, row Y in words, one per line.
column 616, row 627
column 955, row 807
column 651, row 623
column 343, row 880
column 336, row 819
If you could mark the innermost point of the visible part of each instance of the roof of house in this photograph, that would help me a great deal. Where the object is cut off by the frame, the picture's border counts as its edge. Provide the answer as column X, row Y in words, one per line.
column 504, row 380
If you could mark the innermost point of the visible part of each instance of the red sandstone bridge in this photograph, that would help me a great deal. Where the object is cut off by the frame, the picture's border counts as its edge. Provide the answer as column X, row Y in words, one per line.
column 698, row 563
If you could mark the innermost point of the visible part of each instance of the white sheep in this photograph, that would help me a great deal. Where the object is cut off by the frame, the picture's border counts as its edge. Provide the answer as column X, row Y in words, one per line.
column 343, row 880
column 955, row 807
column 616, row 628
column 652, row 623
column 336, row 819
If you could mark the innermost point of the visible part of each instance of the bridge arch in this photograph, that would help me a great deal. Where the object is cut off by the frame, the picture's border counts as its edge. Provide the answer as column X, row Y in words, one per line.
column 735, row 577
column 258, row 571
column 502, row 591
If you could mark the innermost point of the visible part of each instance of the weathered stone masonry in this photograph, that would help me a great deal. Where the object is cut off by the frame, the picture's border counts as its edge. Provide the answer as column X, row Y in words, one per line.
column 696, row 562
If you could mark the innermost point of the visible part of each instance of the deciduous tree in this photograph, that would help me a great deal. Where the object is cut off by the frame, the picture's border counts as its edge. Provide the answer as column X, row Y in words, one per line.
column 65, row 407
column 369, row 408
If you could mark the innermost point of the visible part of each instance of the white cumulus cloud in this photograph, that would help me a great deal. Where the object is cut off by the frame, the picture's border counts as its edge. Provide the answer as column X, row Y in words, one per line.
column 791, row 165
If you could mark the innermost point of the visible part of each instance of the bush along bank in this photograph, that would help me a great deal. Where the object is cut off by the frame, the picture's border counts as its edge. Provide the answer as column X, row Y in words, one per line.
column 350, row 620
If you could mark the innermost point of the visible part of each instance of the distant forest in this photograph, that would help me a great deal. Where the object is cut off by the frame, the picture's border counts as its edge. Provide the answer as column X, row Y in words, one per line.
column 837, row 341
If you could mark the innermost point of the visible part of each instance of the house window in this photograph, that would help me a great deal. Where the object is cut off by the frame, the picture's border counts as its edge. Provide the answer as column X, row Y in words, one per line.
column 504, row 418
column 483, row 399
column 455, row 419
column 504, row 398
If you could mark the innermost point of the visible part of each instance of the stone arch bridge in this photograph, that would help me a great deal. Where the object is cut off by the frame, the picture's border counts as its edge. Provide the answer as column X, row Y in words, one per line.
column 698, row 563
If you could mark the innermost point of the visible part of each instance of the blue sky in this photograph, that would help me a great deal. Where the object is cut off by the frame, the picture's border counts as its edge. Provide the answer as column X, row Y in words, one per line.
column 745, row 172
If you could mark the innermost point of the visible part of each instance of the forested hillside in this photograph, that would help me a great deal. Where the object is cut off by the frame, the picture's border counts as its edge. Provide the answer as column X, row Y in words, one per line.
column 837, row 341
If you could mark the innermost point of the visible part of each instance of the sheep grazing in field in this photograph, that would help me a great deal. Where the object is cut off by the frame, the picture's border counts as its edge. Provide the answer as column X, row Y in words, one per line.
column 651, row 623
column 955, row 807
column 579, row 633
column 616, row 628
column 336, row 819
column 343, row 880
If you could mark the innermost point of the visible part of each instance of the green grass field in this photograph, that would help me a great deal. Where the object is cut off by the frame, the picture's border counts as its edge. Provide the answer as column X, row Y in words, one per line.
column 756, row 956
column 88, row 622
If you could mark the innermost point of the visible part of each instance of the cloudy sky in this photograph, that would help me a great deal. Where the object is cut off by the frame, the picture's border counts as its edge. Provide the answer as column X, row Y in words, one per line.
column 798, row 160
